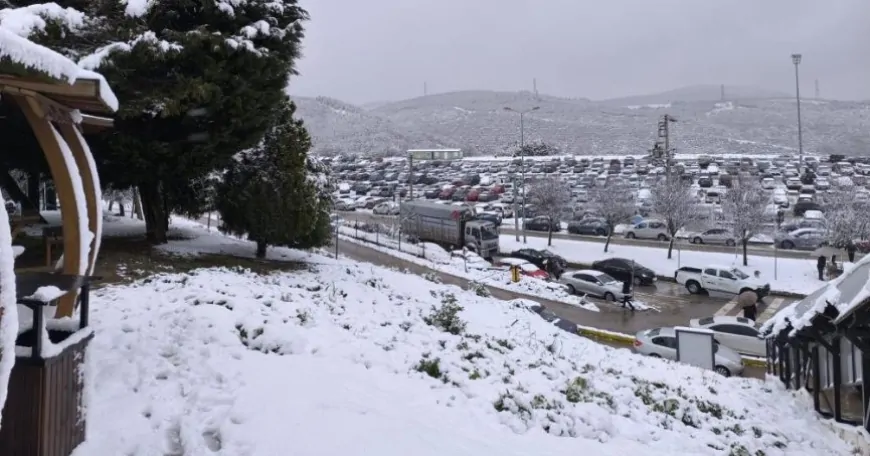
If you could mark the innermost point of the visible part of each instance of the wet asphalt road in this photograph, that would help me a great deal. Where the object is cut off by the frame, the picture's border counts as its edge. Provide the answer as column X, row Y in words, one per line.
column 759, row 250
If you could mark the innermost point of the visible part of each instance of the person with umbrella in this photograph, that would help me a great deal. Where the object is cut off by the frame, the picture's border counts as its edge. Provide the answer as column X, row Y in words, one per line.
column 748, row 300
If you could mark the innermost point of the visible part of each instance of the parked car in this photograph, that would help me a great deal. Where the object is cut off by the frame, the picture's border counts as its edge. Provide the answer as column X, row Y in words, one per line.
column 593, row 283
column 802, row 206
column 801, row 239
column 386, row 208
column 648, row 229
column 526, row 268
column 589, row 227
column 722, row 279
column 492, row 217
column 539, row 257
column 622, row 269
column 662, row 343
column 713, row 236
column 736, row 333
column 542, row 223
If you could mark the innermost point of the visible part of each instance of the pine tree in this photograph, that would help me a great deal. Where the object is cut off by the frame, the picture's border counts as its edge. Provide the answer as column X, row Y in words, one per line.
column 274, row 193
column 197, row 83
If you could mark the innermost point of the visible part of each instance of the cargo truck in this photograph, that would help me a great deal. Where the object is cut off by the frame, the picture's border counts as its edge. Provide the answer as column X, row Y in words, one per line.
column 449, row 226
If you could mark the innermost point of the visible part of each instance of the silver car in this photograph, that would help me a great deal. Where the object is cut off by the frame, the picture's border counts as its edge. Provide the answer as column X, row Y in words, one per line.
column 593, row 283
column 662, row 343
column 648, row 229
column 713, row 236
column 802, row 239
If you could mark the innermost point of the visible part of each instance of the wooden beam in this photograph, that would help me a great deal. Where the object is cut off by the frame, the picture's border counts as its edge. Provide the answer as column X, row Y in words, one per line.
column 68, row 184
column 91, row 185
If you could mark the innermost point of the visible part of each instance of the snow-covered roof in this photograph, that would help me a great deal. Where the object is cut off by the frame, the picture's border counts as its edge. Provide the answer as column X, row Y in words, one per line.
column 18, row 53
column 846, row 293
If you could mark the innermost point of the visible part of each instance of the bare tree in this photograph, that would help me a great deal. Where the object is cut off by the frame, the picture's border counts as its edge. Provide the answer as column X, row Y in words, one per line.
column 744, row 207
column 615, row 206
column 674, row 201
column 845, row 221
column 549, row 196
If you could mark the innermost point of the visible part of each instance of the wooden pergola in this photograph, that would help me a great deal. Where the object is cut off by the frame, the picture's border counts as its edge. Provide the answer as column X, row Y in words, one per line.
column 53, row 110
column 42, row 414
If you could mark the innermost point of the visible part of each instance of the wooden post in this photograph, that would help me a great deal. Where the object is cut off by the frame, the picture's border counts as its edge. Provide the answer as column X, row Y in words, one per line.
column 69, row 189
column 91, row 185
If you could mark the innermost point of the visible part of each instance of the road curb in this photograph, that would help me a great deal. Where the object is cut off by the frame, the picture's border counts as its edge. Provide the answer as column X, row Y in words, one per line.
column 664, row 278
column 594, row 333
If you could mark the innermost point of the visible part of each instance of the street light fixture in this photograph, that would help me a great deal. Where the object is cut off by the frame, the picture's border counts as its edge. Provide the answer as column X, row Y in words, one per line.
column 522, row 113
column 796, row 59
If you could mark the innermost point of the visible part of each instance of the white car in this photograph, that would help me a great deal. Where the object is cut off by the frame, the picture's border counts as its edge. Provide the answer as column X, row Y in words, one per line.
column 736, row 333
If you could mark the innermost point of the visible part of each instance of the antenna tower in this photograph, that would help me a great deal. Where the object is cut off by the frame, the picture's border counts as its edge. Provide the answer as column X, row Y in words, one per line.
column 425, row 89
column 818, row 93
column 722, row 90
column 535, row 87
column 662, row 153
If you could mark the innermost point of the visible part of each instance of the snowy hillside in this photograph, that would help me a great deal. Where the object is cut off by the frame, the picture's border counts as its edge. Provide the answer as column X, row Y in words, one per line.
column 697, row 93
column 344, row 358
column 477, row 122
column 338, row 126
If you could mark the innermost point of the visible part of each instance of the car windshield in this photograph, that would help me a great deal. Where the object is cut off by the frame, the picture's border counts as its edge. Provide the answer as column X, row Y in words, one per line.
column 605, row 278
column 488, row 232
column 739, row 274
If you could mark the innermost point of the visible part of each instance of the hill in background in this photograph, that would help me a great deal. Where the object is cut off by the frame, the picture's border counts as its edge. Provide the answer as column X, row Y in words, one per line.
column 755, row 121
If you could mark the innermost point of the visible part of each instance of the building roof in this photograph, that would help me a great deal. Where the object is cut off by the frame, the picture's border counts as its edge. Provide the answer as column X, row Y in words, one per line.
column 846, row 293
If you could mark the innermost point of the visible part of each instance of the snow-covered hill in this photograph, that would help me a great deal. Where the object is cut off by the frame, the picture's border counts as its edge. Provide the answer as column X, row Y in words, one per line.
column 697, row 93
column 477, row 122
column 343, row 358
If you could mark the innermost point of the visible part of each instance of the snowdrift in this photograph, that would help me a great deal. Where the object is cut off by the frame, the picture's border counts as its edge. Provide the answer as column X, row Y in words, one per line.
column 345, row 358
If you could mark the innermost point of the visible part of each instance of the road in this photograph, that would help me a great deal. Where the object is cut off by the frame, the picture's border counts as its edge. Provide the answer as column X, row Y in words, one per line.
column 758, row 250
column 675, row 306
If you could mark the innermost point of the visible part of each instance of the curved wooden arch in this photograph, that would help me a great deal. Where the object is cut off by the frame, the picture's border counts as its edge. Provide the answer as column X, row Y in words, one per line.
column 77, row 185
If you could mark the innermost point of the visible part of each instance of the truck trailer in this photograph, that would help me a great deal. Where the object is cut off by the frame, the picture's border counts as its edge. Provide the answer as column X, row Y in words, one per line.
column 448, row 226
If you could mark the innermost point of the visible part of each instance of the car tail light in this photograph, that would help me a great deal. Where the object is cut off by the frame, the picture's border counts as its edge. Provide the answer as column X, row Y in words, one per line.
column 637, row 343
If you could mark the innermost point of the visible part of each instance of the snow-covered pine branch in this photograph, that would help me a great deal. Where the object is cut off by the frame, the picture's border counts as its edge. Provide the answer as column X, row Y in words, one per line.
column 550, row 196
column 675, row 202
column 616, row 205
column 744, row 206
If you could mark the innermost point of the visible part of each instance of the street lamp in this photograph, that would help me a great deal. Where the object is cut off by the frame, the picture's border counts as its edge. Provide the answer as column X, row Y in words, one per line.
column 523, row 170
column 796, row 59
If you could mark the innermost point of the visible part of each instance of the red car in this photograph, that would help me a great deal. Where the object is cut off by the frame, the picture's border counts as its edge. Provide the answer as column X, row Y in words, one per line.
column 527, row 269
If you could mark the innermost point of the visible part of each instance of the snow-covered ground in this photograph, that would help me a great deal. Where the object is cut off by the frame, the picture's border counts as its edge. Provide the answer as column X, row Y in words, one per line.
column 785, row 274
column 466, row 265
column 343, row 358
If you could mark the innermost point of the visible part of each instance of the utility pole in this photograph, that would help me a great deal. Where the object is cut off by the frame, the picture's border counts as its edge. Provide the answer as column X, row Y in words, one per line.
column 535, row 87
column 796, row 59
column 522, row 164
column 818, row 93
column 722, row 90
column 425, row 89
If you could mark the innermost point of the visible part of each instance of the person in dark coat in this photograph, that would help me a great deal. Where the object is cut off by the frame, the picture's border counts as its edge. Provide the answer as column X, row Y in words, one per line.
column 780, row 217
column 820, row 265
column 851, row 248
column 626, row 292
column 748, row 300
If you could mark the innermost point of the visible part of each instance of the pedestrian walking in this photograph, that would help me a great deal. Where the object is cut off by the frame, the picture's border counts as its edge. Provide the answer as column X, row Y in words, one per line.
column 780, row 217
column 748, row 300
column 851, row 248
column 820, row 265
column 626, row 295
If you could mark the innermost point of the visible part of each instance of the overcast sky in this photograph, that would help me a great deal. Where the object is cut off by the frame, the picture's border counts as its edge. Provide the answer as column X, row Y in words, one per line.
column 382, row 50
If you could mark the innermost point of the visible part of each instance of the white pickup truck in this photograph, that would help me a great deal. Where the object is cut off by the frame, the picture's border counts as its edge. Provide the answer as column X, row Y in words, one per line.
column 722, row 279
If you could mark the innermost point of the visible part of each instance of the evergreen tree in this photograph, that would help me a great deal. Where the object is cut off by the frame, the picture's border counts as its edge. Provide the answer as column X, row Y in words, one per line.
column 274, row 193
column 197, row 82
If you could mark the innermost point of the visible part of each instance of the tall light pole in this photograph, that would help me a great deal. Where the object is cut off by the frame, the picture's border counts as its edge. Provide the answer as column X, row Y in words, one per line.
column 796, row 59
column 523, row 168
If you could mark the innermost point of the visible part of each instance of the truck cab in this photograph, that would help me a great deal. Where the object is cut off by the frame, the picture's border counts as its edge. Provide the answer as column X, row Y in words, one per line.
column 722, row 279
column 482, row 237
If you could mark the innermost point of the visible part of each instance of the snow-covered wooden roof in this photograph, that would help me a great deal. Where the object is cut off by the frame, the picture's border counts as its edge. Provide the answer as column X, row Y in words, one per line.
column 25, row 65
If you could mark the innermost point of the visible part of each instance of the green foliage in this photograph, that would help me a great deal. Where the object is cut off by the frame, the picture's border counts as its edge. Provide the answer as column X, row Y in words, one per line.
column 269, row 194
column 197, row 82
